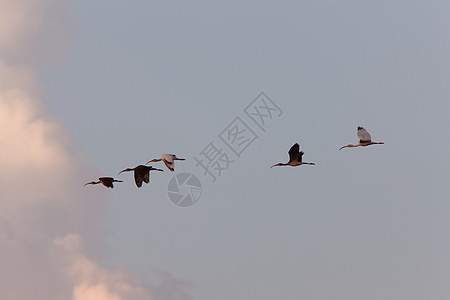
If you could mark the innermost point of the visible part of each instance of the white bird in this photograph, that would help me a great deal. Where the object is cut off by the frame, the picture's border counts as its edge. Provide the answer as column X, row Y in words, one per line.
column 106, row 181
column 364, row 139
column 141, row 173
column 295, row 157
column 168, row 160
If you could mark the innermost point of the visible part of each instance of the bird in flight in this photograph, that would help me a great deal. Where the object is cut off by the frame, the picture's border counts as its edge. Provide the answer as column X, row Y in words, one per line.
column 364, row 139
column 295, row 157
column 106, row 181
column 141, row 174
column 168, row 159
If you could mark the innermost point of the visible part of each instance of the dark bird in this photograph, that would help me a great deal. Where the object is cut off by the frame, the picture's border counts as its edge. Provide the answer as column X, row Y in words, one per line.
column 364, row 139
column 106, row 181
column 168, row 160
column 141, row 173
column 295, row 157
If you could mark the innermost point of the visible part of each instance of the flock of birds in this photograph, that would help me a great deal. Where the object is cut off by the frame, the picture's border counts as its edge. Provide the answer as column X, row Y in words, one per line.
column 142, row 172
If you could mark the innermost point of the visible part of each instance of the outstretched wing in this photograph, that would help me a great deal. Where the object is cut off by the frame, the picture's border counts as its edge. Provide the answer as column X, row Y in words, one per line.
column 363, row 135
column 294, row 152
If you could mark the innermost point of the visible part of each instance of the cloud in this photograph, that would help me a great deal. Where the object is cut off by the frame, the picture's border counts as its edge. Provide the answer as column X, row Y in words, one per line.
column 34, row 31
column 94, row 282
column 48, row 221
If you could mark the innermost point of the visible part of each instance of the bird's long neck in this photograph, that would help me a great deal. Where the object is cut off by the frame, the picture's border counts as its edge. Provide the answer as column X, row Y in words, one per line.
column 126, row 170
column 280, row 164
column 349, row 145
column 154, row 160
column 92, row 182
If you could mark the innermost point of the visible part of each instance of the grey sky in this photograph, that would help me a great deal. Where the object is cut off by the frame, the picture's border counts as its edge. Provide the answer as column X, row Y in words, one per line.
column 147, row 78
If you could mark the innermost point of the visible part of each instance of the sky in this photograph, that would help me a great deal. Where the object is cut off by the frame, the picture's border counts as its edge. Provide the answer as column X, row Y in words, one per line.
column 89, row 88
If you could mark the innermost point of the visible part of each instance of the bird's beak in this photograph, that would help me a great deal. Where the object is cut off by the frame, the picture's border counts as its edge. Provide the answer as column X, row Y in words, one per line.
column 159, row 170
column 274, row 165
column 121, row 172
column 150, row 161
column 180, row 158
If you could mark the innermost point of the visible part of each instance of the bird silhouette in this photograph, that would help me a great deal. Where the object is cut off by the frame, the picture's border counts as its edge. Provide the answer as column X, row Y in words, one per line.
column 295, row 157
column 168, row 160
column 106, row 181
column 364, row 139
column 141, row 174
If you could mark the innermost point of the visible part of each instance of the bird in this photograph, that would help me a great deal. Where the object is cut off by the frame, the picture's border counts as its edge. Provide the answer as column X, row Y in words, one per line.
column 295, row 157
column 168, row 160
column 364, row 139
column 106, row 181
column 141, row 173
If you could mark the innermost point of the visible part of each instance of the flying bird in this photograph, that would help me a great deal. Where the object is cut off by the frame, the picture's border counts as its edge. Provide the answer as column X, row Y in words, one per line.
column 295, row 157
column 364, row 139
column 141, row 173
column 168, row 160
column 106, row 181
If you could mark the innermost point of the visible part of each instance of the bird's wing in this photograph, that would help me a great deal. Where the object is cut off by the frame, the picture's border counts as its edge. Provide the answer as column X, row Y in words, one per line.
column 147, row 177
column 138, row 178
column 138, row 181
column 300, row 154
column 169, row 164
column 293, row 152
column 168, row 157
column 107, row 181
column 108, row 184
column 363, row 135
